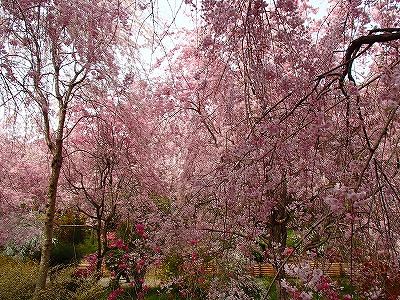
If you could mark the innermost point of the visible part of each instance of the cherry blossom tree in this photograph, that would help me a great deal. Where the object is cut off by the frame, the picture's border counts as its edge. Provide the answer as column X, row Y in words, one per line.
column 104, row 171
column 22, row 194
column 51, row 52
column 278, row 123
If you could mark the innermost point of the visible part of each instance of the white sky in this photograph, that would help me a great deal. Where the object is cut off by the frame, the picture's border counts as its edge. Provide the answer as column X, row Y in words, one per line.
column 178, row 15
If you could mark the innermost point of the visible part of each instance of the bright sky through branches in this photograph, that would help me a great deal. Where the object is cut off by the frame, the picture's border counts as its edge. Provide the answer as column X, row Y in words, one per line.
column 170, row 17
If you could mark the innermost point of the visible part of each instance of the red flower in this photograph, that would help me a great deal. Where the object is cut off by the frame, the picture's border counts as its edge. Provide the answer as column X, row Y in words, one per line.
column 140, row 229
column 119, row 243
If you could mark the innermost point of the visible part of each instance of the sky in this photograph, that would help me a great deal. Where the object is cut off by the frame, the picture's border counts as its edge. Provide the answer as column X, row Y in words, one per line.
column 169, row 16
column 176, row 15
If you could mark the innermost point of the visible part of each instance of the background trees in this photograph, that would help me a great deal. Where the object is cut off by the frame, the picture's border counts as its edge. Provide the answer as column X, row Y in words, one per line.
column 52, row 51
column 23, row 198
column 108, row 171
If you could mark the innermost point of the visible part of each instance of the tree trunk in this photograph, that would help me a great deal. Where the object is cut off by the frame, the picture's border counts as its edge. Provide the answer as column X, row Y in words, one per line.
column 92, row 236
column 49, row 222
column 278, row 239
column 100, row 252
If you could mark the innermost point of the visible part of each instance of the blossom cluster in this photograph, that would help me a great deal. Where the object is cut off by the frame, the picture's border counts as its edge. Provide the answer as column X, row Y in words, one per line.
column 115, row 293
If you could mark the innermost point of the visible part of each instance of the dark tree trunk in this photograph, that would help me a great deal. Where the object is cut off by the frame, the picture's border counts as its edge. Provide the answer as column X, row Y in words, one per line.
column 278, row 239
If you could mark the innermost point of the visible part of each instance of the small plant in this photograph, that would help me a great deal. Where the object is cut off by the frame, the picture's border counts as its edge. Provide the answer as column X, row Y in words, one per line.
column 67, row 285
column 63, row 254
column 17, row 277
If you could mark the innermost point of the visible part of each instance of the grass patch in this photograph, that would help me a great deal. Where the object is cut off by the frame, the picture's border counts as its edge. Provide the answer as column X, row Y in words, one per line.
column 17, row 277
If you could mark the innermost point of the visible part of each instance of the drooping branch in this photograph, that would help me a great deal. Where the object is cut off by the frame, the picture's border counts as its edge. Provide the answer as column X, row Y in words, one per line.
column 389, row 34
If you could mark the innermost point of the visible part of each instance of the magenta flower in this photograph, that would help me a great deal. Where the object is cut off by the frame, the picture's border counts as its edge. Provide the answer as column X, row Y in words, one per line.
column 119, row 243
column 115, row 293
column 140, row 229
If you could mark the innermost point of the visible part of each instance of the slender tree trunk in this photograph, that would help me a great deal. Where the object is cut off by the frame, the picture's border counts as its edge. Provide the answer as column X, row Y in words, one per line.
column 100, row 246
column 49, row 222
column 92, row 236
column 56, row 164
column 278, row 239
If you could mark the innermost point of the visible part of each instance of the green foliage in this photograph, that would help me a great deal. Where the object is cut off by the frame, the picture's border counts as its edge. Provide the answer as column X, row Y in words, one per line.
column 163, row 203
column 17, row 278
column 259, row 250
column 267, row 281
column 87, row 247
column 154, row 294
column 171, row 266
column 71, row 228
column 292, row 238
column 63, row 254
column 66, row 285
column 72, row 241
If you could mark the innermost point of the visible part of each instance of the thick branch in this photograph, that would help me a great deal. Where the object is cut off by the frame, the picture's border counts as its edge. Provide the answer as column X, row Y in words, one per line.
column 390, row 35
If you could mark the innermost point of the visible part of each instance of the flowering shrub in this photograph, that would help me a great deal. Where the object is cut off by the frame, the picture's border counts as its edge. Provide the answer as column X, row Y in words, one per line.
column 115, row 293
column 185, row 277
column 120, row 263
column 376, row 279
column 312, row 281
column 90, row 268
column 197, row 272
column 128, row 258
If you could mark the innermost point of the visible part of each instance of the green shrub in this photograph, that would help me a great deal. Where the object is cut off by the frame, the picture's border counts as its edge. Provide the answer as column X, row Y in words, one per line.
column 71, row 228
column 63, row 254
column 87, row 247
column 17, row 278
column 65, row 285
